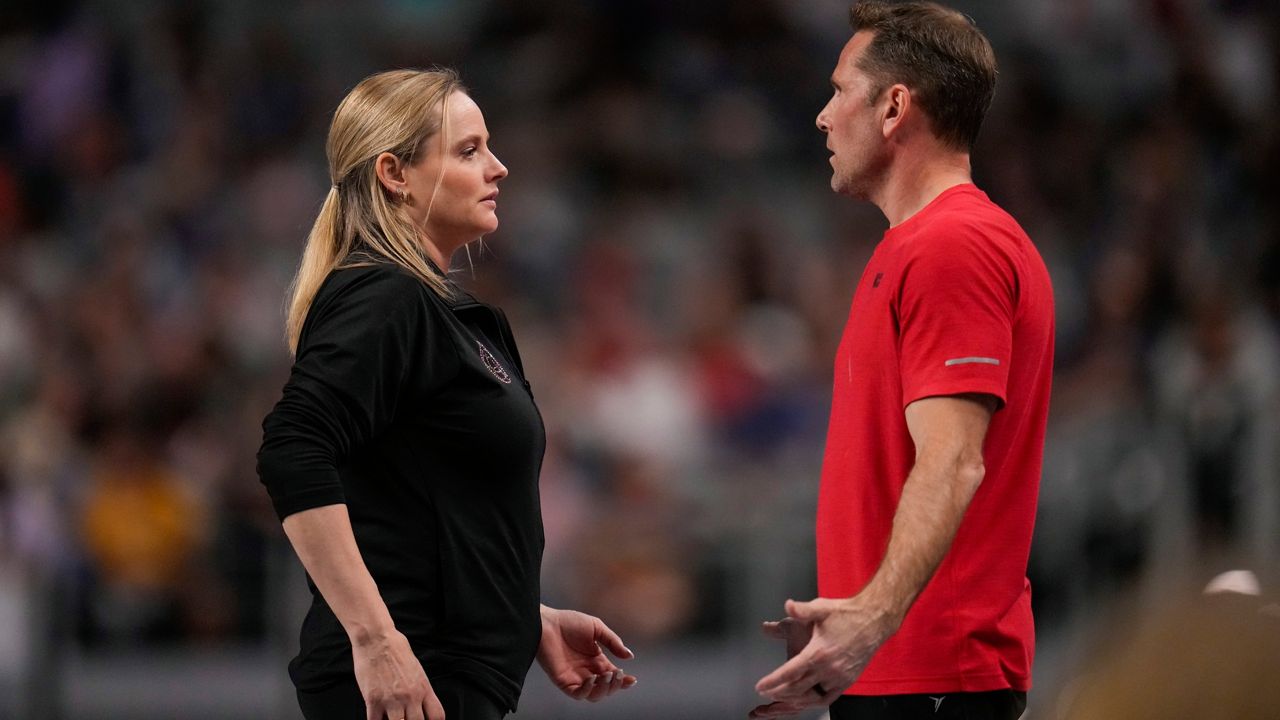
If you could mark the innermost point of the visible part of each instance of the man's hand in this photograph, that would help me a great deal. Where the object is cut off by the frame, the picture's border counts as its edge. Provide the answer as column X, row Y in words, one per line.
column 572, row 655
column 796, row 633
column 844, row 636
column 392, row 680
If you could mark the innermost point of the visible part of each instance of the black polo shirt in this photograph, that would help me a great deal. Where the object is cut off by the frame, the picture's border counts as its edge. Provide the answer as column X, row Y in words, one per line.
column 413, row 410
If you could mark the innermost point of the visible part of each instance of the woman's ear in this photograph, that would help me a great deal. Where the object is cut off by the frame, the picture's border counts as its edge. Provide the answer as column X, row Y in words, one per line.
column 390, row 170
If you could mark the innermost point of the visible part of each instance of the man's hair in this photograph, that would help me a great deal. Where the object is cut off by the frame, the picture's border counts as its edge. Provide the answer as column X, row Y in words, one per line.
column 937, row 52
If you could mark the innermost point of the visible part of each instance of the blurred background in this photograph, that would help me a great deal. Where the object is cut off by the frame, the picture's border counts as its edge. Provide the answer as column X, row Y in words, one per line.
column 677, row 272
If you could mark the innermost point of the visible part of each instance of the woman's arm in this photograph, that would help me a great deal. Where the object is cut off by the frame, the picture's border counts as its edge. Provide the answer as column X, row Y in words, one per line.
column 388, row 673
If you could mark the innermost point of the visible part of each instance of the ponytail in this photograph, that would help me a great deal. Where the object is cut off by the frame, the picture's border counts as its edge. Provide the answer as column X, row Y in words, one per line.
column 323, row 252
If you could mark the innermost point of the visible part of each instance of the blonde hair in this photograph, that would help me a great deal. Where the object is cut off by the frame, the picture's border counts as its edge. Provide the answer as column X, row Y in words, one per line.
column 397, row 112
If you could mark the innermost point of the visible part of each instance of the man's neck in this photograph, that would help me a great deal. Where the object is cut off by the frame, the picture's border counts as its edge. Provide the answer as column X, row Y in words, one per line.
column 914, row 183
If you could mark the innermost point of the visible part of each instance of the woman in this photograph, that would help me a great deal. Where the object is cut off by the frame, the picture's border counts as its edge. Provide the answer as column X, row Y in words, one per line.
column 403, row 457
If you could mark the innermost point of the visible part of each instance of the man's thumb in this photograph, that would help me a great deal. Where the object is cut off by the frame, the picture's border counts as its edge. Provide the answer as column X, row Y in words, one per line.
column 804, row 611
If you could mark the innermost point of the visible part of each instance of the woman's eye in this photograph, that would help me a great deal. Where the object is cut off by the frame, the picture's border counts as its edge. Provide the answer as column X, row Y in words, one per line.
column 469, row 152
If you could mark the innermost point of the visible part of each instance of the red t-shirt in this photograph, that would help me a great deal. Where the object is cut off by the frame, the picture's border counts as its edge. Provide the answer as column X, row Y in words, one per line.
column 956, row 299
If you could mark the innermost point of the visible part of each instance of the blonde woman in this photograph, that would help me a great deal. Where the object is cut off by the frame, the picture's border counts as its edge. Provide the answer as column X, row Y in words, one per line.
column 403, row 457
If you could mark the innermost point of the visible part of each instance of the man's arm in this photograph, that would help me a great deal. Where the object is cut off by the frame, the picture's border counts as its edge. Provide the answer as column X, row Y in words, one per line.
column 948, row 433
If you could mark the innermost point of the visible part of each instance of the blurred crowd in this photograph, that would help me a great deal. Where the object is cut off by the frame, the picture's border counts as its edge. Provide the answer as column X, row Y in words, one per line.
column 674, row 264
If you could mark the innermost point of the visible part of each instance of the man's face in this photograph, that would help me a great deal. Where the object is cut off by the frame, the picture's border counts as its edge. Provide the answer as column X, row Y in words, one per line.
column 852, row 125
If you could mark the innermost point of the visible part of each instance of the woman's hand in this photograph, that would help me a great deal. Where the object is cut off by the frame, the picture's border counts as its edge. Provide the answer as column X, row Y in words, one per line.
column 572, row 655
column 392, row 680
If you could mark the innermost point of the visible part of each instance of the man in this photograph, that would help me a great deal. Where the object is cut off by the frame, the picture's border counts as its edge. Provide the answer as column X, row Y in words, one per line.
column 933, row 454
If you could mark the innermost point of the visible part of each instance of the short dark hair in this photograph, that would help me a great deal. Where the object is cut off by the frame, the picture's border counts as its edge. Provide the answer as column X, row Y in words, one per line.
column 937, row 52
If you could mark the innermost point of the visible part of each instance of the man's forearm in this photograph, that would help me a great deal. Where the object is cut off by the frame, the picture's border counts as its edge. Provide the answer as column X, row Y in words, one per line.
column 933, row 503
column 325, row 543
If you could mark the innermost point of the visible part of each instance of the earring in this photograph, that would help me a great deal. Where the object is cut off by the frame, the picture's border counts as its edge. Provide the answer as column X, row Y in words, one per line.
column 404, row 196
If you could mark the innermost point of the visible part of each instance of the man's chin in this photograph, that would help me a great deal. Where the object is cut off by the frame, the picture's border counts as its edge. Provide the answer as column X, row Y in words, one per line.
column 849, row 188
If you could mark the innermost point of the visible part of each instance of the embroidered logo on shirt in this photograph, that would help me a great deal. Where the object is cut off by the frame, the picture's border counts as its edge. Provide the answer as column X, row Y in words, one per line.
column 492, row 363
column 937, row 701
column 972, row 361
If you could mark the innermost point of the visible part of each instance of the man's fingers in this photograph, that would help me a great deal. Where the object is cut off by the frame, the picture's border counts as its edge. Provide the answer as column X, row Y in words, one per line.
column 791, row 672
column 800, row 689
column 774, row 629
column 801, row 693
column 784, row 708
column 775, row 710
column 811, row 611
column 786, row 672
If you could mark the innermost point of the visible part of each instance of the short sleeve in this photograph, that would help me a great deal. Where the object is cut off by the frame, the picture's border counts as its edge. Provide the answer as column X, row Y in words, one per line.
column 364, row 351
column 955, row 308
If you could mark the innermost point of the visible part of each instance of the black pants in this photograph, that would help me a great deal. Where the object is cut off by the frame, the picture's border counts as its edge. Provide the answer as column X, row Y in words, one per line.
column 461, row 700
column 997, row 705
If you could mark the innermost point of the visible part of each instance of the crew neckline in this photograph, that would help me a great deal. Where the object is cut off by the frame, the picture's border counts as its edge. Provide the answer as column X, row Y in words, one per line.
column 964, row 187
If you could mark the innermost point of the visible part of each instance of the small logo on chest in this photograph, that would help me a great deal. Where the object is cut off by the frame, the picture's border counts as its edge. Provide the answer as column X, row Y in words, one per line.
column 492, row 363
column 876, row 283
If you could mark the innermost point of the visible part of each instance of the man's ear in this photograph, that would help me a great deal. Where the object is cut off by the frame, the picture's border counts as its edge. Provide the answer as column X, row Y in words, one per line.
column 898, row 105
column 390, row 171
